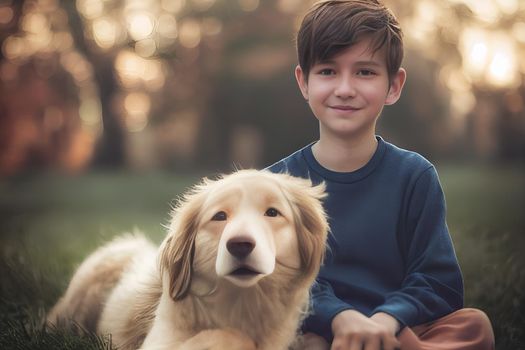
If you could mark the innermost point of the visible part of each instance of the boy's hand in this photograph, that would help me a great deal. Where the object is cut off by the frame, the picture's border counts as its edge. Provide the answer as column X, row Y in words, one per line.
column 354, row 331
column 388, row 321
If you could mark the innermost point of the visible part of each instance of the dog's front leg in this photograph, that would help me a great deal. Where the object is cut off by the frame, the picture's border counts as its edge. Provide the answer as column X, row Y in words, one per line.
column 219, row 339
column 165, row 333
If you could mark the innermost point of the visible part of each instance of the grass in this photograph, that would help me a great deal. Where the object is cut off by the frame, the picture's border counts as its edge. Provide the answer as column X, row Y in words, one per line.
column 485, row 215
column 50, row 223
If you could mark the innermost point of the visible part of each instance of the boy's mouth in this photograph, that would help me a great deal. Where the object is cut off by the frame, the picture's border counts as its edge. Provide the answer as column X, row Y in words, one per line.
column 344, row 108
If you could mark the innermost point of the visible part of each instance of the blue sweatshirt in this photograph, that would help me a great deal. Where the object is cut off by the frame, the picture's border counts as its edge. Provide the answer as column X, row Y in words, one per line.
column 389, row 247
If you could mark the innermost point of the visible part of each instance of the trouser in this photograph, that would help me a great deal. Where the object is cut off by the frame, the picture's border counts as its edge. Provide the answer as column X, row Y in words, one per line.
column 465, row 329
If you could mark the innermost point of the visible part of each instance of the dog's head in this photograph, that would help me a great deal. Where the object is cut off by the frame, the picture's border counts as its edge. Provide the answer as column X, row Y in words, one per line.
column 243, row 227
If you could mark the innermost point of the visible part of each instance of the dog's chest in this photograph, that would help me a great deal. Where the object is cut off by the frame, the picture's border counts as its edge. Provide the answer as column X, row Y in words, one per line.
column 234, row 311
column 269, row 314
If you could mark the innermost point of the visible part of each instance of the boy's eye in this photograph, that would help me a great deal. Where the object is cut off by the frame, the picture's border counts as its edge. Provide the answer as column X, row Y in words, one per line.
column 326, row 71
column 366, row 72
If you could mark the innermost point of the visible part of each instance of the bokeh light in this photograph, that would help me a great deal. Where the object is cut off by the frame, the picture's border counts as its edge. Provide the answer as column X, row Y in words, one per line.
column 6, row 15
column 137, row 106
column 90, row 9
column 167, row 26
column 249, row 5
column 490, row 57
column 190, row 33
column 105, row 32
column 135, row 71
column 172, row 6
column 140, row 25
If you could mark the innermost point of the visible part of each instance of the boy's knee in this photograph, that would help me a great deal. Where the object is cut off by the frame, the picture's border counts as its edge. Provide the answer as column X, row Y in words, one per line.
column 480, row 324
column 476, row 317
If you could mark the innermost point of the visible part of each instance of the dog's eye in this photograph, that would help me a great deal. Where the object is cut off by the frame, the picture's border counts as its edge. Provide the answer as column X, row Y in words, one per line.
column 220, row 216
column 272, row 212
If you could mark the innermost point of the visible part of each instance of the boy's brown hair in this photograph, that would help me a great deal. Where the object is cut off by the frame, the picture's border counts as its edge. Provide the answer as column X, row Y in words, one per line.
column 332, row 26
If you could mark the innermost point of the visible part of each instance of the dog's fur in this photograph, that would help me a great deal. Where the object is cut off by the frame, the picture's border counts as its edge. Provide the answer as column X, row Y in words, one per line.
column 234, row 271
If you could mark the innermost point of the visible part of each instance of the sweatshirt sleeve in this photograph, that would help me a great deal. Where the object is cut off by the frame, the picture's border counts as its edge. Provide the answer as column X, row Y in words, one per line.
column 433, row 285
column 325, row 306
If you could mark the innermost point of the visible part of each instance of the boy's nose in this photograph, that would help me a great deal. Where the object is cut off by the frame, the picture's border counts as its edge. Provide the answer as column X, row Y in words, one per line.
column 345, row 88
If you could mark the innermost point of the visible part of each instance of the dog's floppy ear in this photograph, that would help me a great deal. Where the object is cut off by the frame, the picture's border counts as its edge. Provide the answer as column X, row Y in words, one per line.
column 177, row 250
column 310, row 221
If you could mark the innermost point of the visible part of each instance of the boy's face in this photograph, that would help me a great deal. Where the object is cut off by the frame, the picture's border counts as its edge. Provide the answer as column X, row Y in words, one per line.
column 347, row 92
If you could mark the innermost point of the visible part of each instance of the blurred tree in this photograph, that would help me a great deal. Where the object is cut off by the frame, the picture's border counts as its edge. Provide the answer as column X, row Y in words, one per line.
column 37, row 94
column 189, row 84
column 110, row 148
column 474, row 49
column 256, row 113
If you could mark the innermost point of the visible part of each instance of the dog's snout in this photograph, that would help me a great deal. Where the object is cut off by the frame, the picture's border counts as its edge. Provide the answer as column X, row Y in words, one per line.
column 240, row 247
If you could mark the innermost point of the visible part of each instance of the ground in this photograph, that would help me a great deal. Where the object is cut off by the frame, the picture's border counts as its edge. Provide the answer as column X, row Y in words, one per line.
column 50, row 222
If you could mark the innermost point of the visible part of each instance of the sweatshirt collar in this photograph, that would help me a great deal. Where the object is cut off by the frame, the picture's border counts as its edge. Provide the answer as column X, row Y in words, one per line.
column 346, row 177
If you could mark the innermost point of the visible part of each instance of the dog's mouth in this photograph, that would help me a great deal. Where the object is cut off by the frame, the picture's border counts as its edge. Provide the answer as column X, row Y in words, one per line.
column 244, row 276
column 244, row 271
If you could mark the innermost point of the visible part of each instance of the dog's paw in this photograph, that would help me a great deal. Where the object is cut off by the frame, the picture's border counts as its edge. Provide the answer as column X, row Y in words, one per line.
column 219, row 339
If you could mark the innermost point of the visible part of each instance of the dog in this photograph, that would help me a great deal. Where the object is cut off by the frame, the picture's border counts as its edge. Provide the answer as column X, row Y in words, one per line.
column 233, row 272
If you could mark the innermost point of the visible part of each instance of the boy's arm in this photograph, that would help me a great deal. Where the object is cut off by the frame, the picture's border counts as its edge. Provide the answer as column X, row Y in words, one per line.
column 325, row 306
column 433, row 284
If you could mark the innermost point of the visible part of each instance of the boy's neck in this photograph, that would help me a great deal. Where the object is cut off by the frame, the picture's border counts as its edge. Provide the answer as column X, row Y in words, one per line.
column 344, row 155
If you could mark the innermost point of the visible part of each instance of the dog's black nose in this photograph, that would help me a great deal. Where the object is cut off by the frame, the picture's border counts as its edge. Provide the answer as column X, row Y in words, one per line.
column 240, row 247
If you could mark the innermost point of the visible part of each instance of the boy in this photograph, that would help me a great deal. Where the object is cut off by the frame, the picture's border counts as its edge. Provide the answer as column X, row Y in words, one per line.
column 391, row 278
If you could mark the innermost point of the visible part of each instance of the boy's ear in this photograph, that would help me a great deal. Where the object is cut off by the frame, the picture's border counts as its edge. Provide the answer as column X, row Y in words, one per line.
column 302, row 81
column 396, row 86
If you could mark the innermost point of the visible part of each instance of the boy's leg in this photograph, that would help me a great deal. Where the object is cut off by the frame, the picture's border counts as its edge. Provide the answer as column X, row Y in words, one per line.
column 465, row 329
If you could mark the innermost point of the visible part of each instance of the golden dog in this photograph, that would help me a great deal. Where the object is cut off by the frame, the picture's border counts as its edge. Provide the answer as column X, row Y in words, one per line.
column 234, row 271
